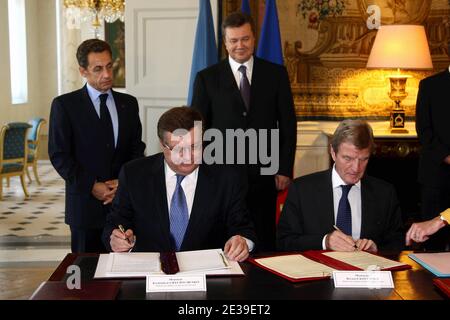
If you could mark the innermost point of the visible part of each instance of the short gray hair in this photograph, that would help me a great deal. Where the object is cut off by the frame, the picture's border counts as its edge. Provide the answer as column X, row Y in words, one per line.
column 357, row 132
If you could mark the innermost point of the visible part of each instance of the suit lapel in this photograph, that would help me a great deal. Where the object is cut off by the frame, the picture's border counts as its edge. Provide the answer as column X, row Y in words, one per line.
column 203, row 192
column 160, row 194
column 120, row 108
column 230, row 86
column 447, row 75
column 88, row 107
column 257, row 80
column 325, row 202
column 368, row 217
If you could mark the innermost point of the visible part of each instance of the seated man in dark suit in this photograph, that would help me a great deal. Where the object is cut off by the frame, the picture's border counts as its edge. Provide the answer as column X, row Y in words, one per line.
column 341, row 208
column 171, row 202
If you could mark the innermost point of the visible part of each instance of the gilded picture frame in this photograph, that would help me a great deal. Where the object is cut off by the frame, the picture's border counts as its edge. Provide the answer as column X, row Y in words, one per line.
column 115, row 36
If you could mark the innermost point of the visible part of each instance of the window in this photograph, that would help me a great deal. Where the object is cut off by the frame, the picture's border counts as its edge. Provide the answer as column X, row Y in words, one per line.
column 18, row 51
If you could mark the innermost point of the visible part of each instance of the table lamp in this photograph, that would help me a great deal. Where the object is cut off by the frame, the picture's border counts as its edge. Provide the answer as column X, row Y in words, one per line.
column 400, row 47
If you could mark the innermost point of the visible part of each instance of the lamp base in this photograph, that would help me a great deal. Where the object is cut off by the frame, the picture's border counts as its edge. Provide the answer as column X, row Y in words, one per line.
column 397, row 121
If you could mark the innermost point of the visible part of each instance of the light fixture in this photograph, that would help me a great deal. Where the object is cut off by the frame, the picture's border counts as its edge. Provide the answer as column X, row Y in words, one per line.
column 400, row 47
column 78, row 11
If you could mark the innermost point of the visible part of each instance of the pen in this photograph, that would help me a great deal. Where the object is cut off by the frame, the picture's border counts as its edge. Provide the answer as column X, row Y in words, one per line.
column 223, row 259
column 121, row 228
column 336, row 227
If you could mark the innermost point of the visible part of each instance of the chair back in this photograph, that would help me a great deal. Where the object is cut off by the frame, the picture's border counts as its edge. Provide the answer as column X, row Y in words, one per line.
column 13, row 148
column 35, row 132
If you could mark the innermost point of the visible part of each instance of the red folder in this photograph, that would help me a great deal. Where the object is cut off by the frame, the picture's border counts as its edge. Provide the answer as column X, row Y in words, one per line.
column 93, row 290
column 318, row 256
column 443, row 284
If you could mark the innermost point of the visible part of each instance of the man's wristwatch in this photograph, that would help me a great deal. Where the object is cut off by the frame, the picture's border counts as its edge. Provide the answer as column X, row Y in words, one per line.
column 445, row 216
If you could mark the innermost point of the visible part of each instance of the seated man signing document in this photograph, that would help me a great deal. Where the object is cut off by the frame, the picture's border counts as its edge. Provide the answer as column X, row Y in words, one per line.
column 171, row 202
column 341, row 208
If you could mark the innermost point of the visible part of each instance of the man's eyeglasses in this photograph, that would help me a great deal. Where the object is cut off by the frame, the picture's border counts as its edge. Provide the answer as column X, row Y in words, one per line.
column 192, row 148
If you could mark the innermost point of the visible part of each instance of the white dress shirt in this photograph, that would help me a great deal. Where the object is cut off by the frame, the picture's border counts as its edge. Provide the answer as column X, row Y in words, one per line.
column 94, row 94
column 354, row 198
column 237, row 74
column 189, row 185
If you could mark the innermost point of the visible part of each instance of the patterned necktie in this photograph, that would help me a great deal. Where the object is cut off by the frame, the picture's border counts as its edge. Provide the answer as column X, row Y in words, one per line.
column 244, row 86
column 178, row 214
column 344, row 215
column 105, row 118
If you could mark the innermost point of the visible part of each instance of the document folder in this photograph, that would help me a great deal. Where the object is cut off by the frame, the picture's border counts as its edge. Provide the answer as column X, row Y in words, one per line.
column 356, row 260
column 444, row 285
column 437, row 263
column 141, row 264
column 92, row 290
column 316, row 265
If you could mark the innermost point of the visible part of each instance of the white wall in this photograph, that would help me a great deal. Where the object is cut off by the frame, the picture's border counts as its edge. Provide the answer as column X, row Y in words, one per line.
column 159, row 39
column 42, row 65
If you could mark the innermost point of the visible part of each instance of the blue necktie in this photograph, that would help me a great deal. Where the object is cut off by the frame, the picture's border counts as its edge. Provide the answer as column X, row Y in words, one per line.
column 178, row 215
column 344, row 215
column 244, row 86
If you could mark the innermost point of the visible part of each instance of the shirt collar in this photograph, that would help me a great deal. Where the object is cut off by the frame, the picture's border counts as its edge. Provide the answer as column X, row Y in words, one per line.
column 169, row 173
column 337, row 180
column 235, row 65
column 94, row 93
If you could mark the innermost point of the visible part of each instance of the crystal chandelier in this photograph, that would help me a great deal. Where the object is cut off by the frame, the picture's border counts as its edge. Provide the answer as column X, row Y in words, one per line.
column 78, row 11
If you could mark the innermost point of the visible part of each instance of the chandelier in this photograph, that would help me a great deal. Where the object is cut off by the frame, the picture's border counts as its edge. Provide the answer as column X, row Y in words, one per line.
column 78, row 11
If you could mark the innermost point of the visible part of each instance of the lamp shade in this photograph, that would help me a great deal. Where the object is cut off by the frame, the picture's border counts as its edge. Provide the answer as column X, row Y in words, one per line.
column 400, row 46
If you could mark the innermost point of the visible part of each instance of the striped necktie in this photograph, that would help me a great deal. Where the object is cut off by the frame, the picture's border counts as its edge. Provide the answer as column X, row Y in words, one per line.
column 178, row 215
column 244, row 86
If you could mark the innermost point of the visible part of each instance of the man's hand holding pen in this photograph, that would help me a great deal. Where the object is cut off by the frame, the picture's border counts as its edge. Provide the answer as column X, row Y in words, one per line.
column 339, row 241
column 121, row 240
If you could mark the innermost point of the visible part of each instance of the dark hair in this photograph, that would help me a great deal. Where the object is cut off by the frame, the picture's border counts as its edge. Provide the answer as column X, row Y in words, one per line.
column 236, row 20
column 357, row 132
column 88, row 46
column 177, row 118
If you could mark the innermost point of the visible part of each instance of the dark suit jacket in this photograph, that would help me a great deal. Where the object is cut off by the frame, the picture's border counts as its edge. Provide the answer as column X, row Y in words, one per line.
column 78, row 151
column 432, row 125
column 218, row 211
column 217, row 96
column 308, row 213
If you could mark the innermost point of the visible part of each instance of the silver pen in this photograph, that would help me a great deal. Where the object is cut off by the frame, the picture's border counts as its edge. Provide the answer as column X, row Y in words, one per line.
column 224, row 260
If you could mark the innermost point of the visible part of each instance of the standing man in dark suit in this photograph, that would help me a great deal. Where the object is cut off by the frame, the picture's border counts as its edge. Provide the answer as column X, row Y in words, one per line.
column 171, row 202
column 245, row 92
column 365, row 210
column 432, row 126
column 93, row 132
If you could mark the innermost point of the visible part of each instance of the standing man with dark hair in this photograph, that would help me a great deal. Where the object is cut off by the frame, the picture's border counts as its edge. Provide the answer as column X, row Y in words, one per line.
column 432, row 126
column 93, row 132
column 364, row 210
column 245, row 92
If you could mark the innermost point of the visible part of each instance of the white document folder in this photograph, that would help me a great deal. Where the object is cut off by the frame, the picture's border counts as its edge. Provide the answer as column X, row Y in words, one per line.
column 141, row 264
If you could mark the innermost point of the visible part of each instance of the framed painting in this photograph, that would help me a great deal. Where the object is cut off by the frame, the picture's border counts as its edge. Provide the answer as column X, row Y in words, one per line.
column 326, row 45
column 115, row 36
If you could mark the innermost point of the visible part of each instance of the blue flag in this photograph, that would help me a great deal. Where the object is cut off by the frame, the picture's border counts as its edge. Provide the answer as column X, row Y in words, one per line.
column 205, row 48
column 245, row 7
column 269, row 47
